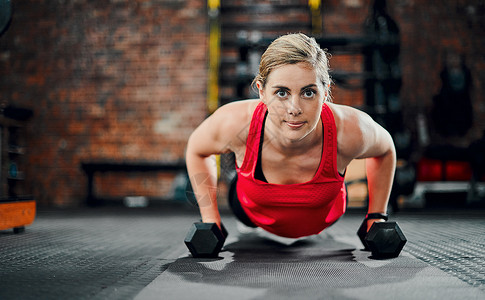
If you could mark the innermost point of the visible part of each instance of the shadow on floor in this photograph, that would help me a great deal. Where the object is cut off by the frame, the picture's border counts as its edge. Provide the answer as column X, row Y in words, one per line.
column 318, row 264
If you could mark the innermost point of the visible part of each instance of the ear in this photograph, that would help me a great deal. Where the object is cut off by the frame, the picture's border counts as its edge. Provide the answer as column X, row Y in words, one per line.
column 260, row 87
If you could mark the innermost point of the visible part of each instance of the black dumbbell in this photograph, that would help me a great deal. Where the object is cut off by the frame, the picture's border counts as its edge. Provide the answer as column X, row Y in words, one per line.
column 384, row 239
column 205, row 239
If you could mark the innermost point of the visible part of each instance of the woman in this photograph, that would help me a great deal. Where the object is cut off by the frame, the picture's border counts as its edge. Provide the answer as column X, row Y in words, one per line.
column 292, row 147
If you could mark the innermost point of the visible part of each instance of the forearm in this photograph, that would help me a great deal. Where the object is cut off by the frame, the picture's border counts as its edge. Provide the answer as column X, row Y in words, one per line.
column 203, row 177
column 380, row 176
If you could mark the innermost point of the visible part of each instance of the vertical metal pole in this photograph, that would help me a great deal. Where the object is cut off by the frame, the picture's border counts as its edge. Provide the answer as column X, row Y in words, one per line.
column 214, row 62
column 214, row 55
column 315, row 8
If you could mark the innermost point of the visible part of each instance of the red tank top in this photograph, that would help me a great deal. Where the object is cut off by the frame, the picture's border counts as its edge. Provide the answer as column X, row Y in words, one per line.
column 293, row 210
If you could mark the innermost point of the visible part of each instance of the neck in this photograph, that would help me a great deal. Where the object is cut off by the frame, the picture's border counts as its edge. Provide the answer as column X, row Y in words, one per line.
column 289, row 147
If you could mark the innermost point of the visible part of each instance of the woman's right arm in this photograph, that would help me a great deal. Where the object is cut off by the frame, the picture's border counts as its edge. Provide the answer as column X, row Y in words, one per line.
column 219, row 133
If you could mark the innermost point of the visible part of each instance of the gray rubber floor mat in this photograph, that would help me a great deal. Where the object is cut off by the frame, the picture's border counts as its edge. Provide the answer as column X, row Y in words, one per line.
column 326, row 266
column 89, row 254
column 107, row 253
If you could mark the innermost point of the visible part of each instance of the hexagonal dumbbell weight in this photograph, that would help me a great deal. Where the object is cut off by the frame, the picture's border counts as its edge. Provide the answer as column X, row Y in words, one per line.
column 205, row 239
column 384, row 239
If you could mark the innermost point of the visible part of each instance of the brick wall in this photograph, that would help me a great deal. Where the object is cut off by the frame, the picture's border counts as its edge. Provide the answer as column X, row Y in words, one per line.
column 126, row 80
column 123, row 80
column 428, row 30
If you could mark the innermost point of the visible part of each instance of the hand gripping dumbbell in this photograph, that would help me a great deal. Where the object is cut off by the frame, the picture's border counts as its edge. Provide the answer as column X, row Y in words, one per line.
column 205, row 239
column 384, row 239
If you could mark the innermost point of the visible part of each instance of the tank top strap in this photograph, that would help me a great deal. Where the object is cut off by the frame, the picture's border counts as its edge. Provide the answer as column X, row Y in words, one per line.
column 254, row 136
column 329, row 169
column 327, row 115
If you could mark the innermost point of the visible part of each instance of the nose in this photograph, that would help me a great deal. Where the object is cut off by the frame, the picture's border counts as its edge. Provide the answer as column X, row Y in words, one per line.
column 293, row 106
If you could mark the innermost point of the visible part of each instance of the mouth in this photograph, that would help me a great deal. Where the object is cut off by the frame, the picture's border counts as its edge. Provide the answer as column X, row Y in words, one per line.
column 294, row 125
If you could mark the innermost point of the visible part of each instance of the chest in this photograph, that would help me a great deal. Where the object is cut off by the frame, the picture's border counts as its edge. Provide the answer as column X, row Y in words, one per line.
column 280, row 169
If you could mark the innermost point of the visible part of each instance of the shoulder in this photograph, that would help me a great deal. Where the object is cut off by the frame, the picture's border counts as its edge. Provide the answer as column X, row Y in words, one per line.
column 235, row 115
column 356, row 130
column 230, row 122
column 347, row 115
column 242, row 109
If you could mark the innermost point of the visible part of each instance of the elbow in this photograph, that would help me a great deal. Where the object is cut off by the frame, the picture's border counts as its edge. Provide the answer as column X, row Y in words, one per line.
column 391, row 151
column 192, row 151
column 189, row 147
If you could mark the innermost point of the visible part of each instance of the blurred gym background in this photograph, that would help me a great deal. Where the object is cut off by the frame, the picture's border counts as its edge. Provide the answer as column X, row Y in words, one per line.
column 98, row 98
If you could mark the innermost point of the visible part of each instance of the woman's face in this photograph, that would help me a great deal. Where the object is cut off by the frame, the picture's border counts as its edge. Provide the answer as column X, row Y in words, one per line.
column 294, row 97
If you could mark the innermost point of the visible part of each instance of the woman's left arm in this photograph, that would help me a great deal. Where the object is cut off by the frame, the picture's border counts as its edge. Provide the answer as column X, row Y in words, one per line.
column 380, row 169
column 360, row 137
column 380, row 155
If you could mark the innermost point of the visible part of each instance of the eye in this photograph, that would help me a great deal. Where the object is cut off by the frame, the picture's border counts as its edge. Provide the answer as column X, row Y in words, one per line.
column 282, row 93
column 309, row 93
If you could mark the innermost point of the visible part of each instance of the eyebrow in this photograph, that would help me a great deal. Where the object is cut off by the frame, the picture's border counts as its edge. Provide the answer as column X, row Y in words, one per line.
column 285, row 88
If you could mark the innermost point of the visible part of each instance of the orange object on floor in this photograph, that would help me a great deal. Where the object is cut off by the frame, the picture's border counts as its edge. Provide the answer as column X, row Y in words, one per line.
column 17, row 214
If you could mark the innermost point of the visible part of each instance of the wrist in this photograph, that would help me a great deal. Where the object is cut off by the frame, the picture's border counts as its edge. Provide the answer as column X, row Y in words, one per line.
column 212, row 220
column 377, row 216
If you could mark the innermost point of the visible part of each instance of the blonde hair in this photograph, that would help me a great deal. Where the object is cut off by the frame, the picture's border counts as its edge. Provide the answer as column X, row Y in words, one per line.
column 292, row 49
